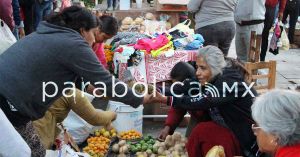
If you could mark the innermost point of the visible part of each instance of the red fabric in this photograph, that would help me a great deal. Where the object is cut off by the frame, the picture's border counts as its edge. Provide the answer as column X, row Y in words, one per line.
column 65, row 4
column 175, row 116
column 151, row 44
column 208, row 134
column 99, row 50
column 6, row 13
column 289, row 151
column 273, row 3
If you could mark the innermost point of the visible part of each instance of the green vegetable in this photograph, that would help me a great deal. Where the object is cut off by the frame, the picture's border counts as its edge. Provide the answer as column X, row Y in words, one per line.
column 144, row 147
column 154, row 150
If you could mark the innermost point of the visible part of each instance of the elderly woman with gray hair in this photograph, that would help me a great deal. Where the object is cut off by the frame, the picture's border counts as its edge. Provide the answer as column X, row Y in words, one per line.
column 277, row 128
column 229, row 121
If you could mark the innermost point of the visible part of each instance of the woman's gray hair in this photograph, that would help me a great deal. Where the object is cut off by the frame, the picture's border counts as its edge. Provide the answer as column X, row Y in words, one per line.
column 278, row 113
column 214, row 57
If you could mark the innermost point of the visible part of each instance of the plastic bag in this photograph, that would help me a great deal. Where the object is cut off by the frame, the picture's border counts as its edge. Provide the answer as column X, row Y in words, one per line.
column 6, row 37
column 66, row 151
column 184, row 27
column 77, row 127
column 285, row 41
column 152, row 27
column 274, row 40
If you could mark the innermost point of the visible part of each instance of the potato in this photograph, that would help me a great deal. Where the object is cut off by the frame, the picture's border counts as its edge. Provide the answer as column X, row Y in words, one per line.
column 115, row 148
column 156, row 145
column 176, row 136
column 121, row 155
column 167, row 152
column 123, row 149
column 178, row 147
column 122, row 143
column 160, row 150
column 184, row 140
column 174, row 153
column 163, row 144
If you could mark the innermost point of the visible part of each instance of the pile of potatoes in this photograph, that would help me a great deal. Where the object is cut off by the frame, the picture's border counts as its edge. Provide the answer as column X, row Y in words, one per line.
column 174, row 146
column 121, row 148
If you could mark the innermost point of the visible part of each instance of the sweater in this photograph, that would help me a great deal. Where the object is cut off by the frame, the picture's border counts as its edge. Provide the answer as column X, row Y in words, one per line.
column 6, row 13
column 289, row 151
column 273, row 3
column 249, row 10
column 52, row 54
column 208, row 12
column 235, row 110
column 99, row 50
column 46, row 127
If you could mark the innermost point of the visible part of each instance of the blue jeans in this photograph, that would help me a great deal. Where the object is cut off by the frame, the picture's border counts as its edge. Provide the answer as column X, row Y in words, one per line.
column 111, row 3
column 42, row 10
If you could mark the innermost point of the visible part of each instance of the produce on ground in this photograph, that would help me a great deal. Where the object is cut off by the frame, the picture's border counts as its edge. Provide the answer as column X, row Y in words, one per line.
column 106, row 133
column 97, row 146
column 130, row 135
column 216, row 151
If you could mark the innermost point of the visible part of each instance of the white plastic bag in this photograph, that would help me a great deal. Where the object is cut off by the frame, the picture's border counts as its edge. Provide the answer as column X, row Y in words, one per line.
column 285, row 41
column 77, row 127
column 183, row 27
column 6, row 37
column 66, row 151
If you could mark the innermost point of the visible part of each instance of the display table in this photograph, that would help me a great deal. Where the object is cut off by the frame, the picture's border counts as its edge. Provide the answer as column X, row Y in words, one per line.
column 157, row 69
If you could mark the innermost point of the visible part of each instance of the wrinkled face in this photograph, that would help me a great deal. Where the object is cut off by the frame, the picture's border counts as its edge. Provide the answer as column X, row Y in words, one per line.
column 102, row 37
column 265, row 141
column 203, row 72
column 89, row 35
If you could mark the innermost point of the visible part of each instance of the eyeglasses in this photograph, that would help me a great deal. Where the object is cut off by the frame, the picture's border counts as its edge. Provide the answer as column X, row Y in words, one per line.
column 255, row 128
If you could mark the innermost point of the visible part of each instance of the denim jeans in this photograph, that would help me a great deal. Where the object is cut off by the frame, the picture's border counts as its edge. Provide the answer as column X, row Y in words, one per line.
column 111, row 3
column 269, row 18
column 291, row 9
column 42, row 10
column 242, row 39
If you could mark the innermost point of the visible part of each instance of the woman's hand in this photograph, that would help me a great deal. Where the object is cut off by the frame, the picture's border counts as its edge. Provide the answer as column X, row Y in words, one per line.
column 159, row 98
column 164, row 133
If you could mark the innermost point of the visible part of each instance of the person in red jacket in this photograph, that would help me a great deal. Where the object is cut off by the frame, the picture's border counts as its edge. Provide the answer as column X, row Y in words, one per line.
column 277, row 128
column 181, row 72
column 268, row 23
column 229, row 123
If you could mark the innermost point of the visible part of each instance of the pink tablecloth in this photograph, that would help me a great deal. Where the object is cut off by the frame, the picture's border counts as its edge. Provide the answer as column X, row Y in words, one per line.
column 158, row 69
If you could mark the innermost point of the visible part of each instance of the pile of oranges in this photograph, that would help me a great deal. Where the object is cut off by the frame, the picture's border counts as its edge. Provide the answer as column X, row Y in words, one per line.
column 108, row 53
column 97, row 146
column 130, row 135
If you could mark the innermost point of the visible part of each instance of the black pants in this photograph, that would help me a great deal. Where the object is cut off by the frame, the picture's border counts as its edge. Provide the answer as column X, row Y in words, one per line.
column 292, row 9
column 219, row 35
column 269, row 19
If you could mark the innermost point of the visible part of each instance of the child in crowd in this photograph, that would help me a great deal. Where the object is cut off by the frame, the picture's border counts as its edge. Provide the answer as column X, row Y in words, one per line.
column 107, row 29
column 185, row 73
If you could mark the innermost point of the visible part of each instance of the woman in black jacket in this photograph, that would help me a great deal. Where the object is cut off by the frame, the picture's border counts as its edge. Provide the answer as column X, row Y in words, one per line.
column 227, row 99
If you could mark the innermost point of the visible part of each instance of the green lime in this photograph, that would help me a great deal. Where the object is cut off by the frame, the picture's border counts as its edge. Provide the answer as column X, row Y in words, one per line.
column 154, row 150
column 144, row 148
